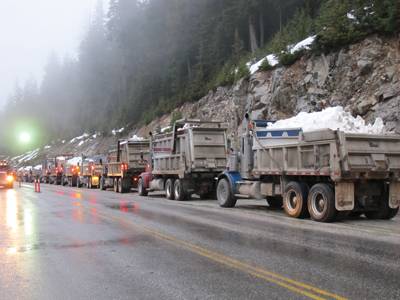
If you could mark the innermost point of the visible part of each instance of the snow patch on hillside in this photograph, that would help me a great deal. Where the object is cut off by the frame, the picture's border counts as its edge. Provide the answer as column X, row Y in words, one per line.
column 273, row 59
column 78, row 138
column 115, row 131
column 303, row 45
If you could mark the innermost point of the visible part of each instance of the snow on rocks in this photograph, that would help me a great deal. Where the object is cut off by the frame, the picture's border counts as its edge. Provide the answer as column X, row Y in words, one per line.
column 115, row 131
column 78, row 138
column 27, row 156
column 272, row 60
column 303, row 45
column 331, row 118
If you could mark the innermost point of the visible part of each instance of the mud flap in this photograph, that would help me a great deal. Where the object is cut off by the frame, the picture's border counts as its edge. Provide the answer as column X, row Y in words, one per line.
column 344, row 196
column 394, row 195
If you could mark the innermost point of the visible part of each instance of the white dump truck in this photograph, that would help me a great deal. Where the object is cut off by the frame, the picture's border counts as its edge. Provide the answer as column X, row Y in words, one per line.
column 124, row 165
column 186, row 160
column 322, row 173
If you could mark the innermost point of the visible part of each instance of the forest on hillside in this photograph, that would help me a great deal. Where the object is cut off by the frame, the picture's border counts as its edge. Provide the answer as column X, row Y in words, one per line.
column 141, row 59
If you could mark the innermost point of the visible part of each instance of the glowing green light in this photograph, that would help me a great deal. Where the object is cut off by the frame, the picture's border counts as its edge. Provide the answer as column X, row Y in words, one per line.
column 24, row 137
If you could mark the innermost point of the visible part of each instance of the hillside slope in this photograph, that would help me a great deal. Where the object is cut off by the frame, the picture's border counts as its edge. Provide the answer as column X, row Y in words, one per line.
column 364, row 78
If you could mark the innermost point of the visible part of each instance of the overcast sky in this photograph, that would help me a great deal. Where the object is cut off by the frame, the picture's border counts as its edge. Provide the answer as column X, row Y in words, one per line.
column 31, row 29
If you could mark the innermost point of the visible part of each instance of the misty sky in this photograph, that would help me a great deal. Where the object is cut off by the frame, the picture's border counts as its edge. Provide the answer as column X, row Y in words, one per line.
column 31, row 29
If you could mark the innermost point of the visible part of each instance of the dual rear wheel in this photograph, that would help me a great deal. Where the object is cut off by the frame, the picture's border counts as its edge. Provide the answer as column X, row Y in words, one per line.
column 318, row 202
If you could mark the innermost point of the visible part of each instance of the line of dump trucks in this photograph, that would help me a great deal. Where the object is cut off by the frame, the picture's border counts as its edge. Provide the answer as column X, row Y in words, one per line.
column 323, row 174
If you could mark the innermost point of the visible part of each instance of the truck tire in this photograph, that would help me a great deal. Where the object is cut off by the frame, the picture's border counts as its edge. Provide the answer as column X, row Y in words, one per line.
column 275, row 202
column 321, row 203
column 101, row 184
column 179, row 190
column 141, row 188
column 295, row 200
column 169, row 189
column 125, row 185
column 384, row 212
column 225, row 196
column 78, row 183
column 116, row 185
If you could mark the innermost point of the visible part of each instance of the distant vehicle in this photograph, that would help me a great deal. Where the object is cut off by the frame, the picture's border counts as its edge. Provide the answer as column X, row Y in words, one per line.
column 91, row 170
column 325, row 173
column 124, row 165
column 186, row 160
column 53, row 169
column 6, row 175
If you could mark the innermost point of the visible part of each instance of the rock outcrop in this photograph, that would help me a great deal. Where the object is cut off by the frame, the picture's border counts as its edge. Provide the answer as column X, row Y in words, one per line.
column 364, row 78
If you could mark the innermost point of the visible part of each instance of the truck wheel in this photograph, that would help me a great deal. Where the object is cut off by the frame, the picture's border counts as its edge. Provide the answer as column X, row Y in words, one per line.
column 169, row 189
column 125, row 186
column 78, row 183
column 275, row 202
column 116, row 185
column 179, row 191
column 141, row 188
column 102, row 184
column 295, row 200
column 384, row 212
column 321, row 203
column 224, row 194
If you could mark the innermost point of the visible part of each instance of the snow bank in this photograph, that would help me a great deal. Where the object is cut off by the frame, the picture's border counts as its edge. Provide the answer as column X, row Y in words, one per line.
column 136, row 138
column 331, row 118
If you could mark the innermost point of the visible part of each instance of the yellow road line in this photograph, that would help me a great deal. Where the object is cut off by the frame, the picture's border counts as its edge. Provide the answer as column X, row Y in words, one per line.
column 290, row 284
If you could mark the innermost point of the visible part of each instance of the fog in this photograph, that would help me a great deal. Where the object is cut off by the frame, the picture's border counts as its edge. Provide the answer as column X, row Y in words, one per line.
column 32, row 29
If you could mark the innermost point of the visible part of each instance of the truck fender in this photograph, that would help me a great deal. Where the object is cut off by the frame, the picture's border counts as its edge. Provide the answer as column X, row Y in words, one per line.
column 233, row 178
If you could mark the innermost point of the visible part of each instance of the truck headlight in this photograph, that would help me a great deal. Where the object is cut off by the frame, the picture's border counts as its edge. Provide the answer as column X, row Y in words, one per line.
column 10, row 178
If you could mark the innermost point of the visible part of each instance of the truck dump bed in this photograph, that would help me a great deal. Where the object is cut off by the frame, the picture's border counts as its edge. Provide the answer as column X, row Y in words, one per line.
column 131, row 155
column 194, row 148
column 326, row 153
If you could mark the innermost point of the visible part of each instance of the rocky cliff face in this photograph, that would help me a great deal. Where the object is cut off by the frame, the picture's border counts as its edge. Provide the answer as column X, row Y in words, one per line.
column 364, row 78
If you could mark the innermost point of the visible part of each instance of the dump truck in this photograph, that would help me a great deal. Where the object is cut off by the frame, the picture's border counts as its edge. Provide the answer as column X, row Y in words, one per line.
column 6, row 175
column 186, row 160
column 53, row 169
column 324, row 173
column 71, row 172
column 124, row 165
column 91, row 172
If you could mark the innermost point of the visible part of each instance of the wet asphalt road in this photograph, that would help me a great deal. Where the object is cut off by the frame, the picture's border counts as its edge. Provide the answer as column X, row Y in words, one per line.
column 68, row 243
